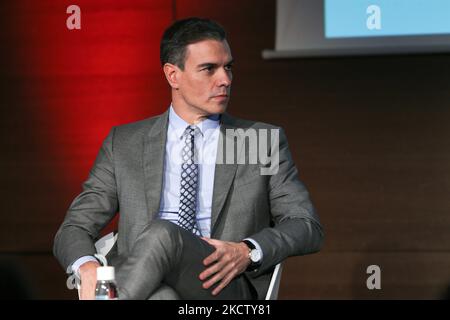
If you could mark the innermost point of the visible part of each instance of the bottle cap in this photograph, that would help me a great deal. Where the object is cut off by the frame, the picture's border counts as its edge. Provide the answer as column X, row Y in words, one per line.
column 105, row 273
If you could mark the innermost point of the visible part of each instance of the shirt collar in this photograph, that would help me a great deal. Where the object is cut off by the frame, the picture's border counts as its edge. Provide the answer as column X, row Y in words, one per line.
column 206, row 126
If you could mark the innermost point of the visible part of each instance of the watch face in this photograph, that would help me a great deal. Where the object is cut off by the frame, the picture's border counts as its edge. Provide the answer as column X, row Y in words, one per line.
column 255, row 255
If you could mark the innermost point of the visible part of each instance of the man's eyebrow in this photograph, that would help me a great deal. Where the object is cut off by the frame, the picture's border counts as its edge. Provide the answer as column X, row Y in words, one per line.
column 207, row 64
column 211, row 64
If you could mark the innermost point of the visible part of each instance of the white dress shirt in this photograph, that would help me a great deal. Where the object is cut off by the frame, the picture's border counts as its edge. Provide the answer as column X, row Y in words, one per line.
column 206, row 141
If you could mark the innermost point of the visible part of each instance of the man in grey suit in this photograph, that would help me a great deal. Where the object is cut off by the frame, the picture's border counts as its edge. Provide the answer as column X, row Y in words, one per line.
column 190, row 227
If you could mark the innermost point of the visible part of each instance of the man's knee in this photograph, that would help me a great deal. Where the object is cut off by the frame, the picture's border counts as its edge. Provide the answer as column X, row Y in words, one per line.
column 163, row 226
column 160, row 239
column 164, row 292
column 162, row 231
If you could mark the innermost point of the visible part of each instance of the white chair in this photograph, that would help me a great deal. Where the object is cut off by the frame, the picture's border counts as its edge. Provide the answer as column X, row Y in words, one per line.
column 274, row 286
column 105, row 244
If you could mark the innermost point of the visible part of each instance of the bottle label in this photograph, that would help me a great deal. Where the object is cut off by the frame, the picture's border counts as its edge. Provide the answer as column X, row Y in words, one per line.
column 104, row 297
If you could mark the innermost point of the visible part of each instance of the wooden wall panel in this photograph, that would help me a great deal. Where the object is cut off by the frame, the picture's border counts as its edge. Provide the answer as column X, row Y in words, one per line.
column 343, row 275
column 370, row 136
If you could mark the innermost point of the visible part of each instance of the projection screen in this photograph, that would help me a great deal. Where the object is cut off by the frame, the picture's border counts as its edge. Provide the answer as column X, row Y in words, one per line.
column 314, row 28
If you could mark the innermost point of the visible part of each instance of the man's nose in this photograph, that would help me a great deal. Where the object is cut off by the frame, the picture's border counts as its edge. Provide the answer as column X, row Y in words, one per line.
column 225, row 78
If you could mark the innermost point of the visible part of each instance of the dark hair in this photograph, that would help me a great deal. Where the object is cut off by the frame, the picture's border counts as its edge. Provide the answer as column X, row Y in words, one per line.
column 185, row 32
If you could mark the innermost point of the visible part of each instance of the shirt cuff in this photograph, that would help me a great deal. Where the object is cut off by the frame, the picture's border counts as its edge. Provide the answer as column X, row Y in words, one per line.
column 257, row 246
column 77, row 264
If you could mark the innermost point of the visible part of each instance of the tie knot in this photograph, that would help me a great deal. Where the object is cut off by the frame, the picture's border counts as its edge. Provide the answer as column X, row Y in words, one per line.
column 191, row 130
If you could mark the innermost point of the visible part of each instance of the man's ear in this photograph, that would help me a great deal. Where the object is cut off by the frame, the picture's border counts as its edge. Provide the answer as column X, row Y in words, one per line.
column 172, row 73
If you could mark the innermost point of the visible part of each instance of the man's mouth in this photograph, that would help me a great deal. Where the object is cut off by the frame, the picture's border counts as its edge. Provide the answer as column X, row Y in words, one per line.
column 221, row 96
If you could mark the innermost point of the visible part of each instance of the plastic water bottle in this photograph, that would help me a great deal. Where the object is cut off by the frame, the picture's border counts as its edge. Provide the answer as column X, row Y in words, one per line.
column 106, row 288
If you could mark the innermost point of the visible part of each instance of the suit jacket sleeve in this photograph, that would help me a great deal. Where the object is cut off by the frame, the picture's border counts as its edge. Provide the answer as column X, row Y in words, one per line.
column 296, row 230
column 91, row 211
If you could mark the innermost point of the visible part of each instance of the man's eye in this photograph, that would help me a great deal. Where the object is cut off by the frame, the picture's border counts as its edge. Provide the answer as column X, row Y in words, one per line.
column 209, row 69
column 229, row 67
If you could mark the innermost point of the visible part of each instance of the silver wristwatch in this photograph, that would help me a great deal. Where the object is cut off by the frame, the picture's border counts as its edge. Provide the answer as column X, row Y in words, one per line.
column 254, row 254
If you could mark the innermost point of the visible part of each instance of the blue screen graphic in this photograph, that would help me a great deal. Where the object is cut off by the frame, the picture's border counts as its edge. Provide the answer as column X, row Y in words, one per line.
column 372, row 18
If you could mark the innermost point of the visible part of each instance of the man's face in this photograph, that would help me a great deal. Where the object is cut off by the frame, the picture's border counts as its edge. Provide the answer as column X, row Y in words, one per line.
column 205, row 82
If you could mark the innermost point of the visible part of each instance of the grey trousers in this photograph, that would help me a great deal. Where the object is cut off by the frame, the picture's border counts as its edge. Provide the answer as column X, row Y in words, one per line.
column 166, row 262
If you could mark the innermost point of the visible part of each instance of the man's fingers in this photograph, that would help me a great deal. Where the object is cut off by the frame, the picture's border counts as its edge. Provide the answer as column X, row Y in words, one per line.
column 216, row 255
column 225, row 281
column 218, row 276
column 210, row 271
column 87, row 290
column 212, row 242
column 88, row 273
column 227, row 264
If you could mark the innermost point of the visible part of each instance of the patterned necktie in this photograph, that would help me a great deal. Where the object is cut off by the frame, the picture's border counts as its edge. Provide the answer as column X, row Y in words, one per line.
column 189, row 183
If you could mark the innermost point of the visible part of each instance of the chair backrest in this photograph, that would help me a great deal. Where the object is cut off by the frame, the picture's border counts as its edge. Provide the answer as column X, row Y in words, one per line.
column 105, row 243
column 274, row 286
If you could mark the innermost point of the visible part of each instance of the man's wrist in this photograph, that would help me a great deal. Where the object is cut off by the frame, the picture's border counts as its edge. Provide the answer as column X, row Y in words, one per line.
column 88, row 265
column 79, row 262
column 254, row 255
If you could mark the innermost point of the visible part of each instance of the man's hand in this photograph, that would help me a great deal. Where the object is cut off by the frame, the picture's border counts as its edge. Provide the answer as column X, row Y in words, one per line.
column 228, row 261
column 88, row 275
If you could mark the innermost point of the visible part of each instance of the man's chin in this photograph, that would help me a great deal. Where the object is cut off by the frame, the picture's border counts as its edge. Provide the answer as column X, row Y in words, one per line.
column 214, row 108
column 219, row 108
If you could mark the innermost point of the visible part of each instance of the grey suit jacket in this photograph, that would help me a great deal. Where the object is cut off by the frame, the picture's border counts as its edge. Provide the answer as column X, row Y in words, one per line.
column 275, row 210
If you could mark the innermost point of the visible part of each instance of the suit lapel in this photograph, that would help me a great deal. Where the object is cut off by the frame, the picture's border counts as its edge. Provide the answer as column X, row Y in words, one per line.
column 153, row 163
column 224, row 173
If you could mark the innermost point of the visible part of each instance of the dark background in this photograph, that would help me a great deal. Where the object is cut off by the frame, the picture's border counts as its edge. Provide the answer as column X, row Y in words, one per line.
column 369, row 135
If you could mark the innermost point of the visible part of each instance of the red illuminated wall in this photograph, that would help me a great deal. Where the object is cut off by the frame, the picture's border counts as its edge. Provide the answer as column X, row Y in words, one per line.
column 82, row 82
column 61, row 92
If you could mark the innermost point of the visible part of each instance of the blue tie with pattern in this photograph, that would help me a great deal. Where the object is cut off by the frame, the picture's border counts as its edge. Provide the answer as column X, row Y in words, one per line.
column 189, row 183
